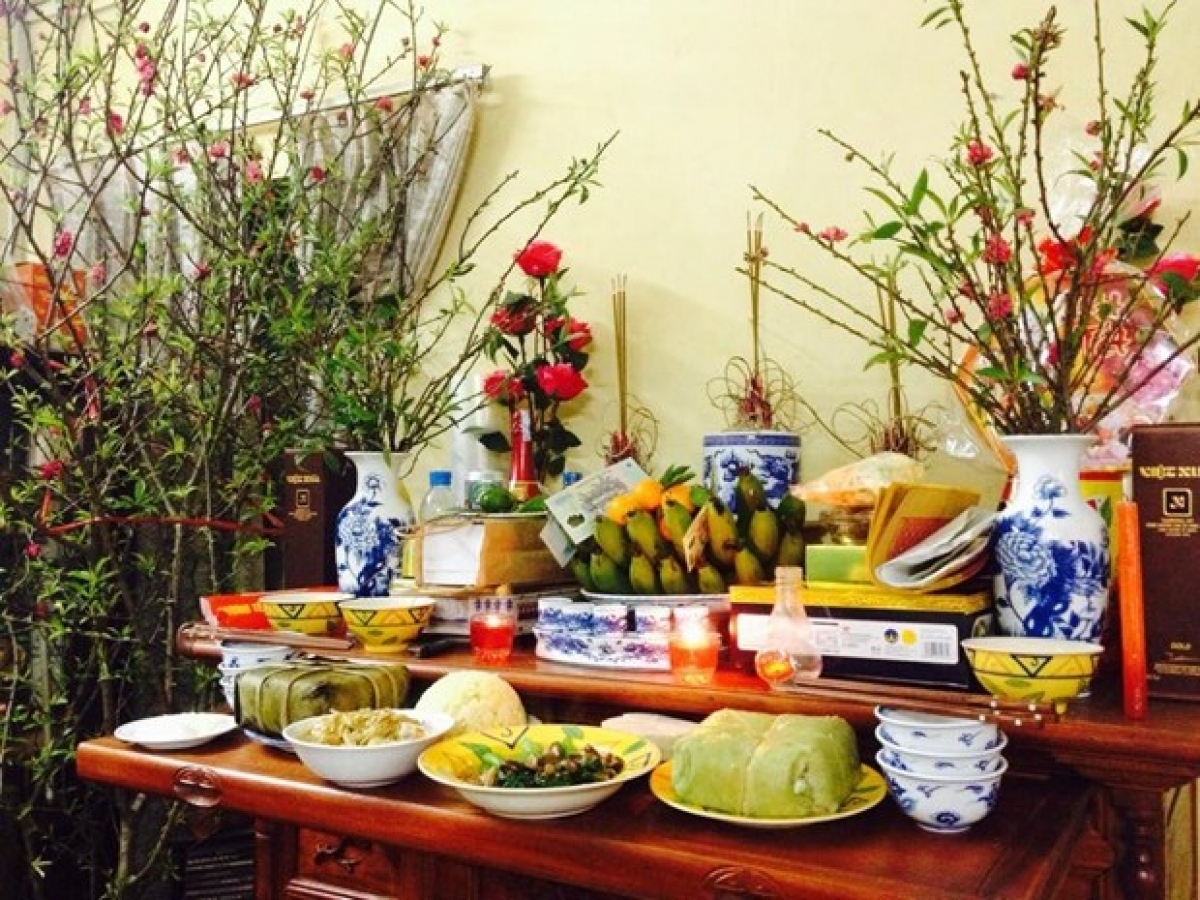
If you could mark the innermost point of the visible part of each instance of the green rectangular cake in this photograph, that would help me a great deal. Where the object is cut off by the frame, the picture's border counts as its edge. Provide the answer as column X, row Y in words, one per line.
column 269, row 698
column 763, row 766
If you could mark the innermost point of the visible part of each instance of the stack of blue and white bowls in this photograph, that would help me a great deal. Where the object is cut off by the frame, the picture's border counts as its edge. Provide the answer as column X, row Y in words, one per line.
column 944, row 772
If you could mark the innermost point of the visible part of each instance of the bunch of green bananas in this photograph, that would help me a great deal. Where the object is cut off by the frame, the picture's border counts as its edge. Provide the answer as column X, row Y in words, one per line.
column 691, row 542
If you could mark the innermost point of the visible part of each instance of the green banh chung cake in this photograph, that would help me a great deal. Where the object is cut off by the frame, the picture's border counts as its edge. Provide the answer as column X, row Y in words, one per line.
column 763, row 766
column 269, row 698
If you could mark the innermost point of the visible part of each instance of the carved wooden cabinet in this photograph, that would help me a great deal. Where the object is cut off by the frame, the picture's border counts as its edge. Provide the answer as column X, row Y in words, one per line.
column 1089, row 811
column 310, row 864
column 419, row 841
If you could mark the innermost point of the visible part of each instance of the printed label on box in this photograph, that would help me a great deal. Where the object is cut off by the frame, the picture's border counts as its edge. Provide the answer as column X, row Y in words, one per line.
column 865, row 639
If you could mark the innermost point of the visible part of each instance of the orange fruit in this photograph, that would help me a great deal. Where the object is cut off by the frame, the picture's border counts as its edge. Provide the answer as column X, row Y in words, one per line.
column 648, row 494
column 681, row 494
column 620, row 507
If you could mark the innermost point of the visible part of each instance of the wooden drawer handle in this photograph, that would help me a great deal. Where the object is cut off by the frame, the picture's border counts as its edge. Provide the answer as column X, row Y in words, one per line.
column 336, row 852
column 736, row 883
column 197, row 786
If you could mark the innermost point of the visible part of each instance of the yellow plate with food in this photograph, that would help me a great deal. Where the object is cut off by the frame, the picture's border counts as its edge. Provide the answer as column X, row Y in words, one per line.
column 868, row 793
column 539, row 771
column 768, row 771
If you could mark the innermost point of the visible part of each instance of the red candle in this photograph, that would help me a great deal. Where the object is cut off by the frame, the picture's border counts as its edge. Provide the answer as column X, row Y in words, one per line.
column 492, row 637
column 693, row 653
column 1132, row 610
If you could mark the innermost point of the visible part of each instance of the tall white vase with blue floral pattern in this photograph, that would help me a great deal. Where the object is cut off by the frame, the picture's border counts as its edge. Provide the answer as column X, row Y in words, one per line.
column 1050, row 545
column 370, row 528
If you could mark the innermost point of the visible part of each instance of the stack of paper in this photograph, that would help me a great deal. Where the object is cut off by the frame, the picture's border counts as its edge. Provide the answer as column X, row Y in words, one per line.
column 927, row 537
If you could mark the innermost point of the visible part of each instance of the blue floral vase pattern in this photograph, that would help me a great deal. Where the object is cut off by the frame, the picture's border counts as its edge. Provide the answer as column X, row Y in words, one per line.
column 370, row 528
column 773, row 456
column 1050, row 545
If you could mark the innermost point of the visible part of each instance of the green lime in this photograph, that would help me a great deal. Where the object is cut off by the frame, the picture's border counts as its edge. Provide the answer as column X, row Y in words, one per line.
column 496, row 499
column 533, row 504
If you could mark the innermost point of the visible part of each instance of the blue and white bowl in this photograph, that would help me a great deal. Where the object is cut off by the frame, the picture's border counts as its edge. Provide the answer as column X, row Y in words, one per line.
column 243, row 655
column 650, row 619
column 943, row 804
column 565, row 614
column 943, row 762
column 929, row 733
column 610, row 618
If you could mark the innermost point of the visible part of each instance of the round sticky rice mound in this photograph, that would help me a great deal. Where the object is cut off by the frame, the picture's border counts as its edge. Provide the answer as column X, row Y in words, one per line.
column 477, row 701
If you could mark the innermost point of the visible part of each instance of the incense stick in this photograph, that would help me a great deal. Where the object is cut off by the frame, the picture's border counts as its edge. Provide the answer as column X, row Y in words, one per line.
column 618, row 304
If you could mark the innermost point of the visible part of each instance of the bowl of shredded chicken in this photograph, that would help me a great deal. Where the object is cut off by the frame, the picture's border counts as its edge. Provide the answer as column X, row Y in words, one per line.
column 366, row 748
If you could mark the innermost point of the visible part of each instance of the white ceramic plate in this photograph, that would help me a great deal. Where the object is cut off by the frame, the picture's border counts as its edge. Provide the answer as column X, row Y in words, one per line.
column 632, row 651
column 868, row 793
column 267, row 741
column 175, row 732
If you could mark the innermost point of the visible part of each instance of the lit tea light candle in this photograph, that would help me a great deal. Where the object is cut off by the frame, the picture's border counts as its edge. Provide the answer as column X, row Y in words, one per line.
column 492, row 637
column 693, row 652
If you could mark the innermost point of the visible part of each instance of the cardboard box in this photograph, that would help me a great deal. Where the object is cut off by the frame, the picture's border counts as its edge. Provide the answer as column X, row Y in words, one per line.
column 1166, row 487
column 877, row 634
column 487, row 551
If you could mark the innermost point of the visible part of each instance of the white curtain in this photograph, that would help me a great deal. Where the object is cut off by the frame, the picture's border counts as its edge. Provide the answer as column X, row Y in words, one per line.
column 418, row 163
column 414, row 159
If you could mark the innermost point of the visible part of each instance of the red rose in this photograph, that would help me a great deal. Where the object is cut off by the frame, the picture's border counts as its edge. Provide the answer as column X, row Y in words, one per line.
column 517, row 318
column 539, row 260
column 577, row 334
column 502, row 387
column 1183, row 266
column 561, row 381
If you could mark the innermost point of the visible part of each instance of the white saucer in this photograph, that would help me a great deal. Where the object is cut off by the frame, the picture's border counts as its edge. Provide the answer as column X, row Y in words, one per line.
column 175, row 732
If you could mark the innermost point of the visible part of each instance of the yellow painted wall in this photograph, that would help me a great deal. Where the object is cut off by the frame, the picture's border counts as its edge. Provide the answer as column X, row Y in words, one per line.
column 709, row 97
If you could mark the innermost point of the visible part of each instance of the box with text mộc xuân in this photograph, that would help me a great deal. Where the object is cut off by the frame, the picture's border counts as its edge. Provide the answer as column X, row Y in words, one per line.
column 1166, row 488
column 873, row 633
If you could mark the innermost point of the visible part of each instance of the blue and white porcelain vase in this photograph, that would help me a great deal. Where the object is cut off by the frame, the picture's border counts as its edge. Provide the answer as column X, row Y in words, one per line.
column 773, row 456
column 371, row 528
column 1050, row 545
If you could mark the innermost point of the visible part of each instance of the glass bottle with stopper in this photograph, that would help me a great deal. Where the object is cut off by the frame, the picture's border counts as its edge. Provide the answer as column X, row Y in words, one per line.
column 789, row 653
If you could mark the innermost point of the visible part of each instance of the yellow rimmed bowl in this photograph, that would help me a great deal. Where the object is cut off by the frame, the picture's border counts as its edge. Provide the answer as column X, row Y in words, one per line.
column 387, row 624
column 305, row 612
column 458, row 762
column 1032, row 669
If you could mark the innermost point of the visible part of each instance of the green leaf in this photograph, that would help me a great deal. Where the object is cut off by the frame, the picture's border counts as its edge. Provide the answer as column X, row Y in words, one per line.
column 916, row 331
column 886, row 231
column 1138, row 27
column 920, row 188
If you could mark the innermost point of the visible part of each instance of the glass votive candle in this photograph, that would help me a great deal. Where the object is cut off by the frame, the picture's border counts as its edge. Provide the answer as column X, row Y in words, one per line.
column 492, row 637
column 693, row 652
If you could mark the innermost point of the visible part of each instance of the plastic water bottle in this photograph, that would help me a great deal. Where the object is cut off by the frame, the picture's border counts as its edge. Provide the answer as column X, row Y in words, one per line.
column 439, row 499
